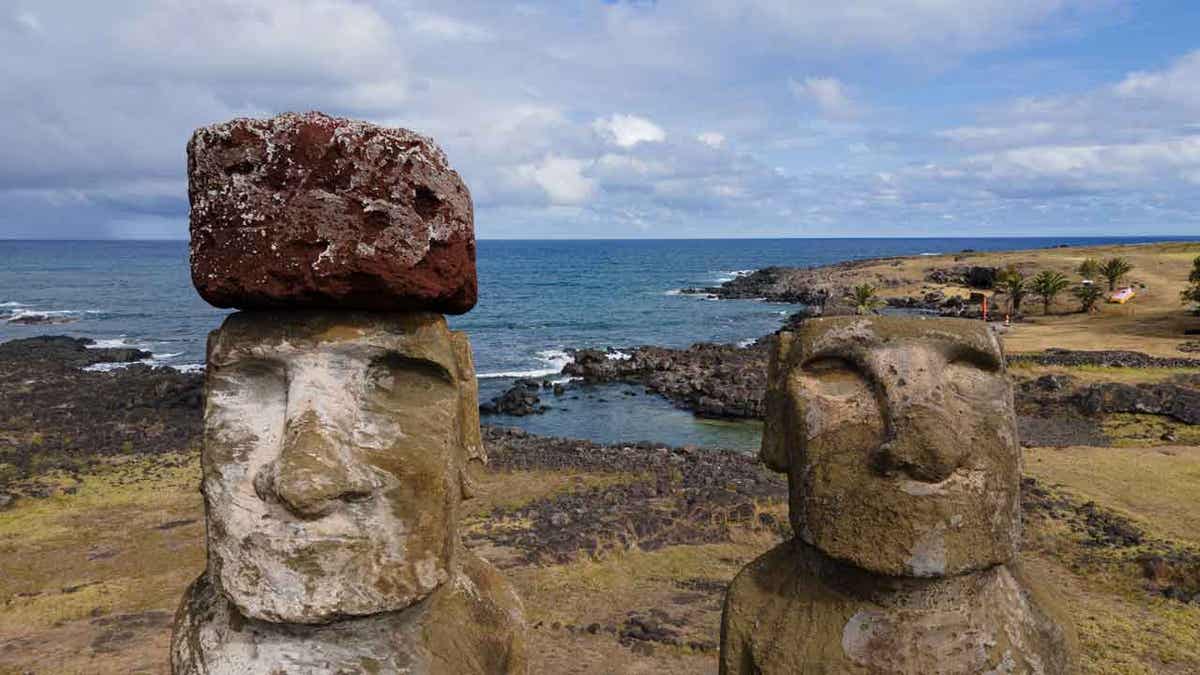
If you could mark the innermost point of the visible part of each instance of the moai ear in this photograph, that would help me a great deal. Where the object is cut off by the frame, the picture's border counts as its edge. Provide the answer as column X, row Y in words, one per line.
column 474, row 455
column 778, row 426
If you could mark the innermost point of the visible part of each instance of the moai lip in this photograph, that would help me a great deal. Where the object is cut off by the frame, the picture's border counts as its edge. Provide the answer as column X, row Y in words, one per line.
column 317, row 211
column 335, row 454
column 899, row 441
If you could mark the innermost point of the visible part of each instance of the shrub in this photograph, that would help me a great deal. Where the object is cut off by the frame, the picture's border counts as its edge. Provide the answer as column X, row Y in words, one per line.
column 1089, row 295
column 864, row 299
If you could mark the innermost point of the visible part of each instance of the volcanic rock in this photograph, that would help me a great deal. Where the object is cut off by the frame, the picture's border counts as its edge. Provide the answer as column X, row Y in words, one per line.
column 68, row 350
column 317, row 211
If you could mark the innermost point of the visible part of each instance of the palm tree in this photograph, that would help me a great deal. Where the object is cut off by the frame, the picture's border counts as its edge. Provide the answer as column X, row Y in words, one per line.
column 1088, row 295
column 1113, row 269
column 864, row 299
column 1013, row 283
column 1048, row 284
column 1089, row 269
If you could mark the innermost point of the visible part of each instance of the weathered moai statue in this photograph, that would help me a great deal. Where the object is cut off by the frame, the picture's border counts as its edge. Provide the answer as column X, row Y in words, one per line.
column 899, row 440
column 341, row 415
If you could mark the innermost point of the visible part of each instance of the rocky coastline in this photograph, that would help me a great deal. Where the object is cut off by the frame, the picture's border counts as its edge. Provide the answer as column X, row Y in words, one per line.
column 822, row 290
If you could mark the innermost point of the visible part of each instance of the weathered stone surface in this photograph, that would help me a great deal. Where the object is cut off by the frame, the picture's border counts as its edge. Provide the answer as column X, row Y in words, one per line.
column 795, row 610
column 317, row 211
column 899, row 441
column 472, row 624
column 337, row 449
column 898, row 437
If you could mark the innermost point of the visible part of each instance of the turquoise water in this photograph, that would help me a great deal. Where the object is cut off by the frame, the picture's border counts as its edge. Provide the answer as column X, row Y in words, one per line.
column 537, row 298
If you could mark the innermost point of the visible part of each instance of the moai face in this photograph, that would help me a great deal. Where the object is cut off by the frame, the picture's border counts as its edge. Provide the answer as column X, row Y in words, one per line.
column 899, row 440
column 335, row 447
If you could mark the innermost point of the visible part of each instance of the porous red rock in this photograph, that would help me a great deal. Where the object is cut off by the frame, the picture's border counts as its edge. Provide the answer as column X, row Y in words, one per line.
column 308, row 210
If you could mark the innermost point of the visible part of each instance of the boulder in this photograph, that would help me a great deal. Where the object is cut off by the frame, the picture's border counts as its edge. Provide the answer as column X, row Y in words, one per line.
column 981, row 277
column 71, row 351
column 317, row 211
column 519, row 400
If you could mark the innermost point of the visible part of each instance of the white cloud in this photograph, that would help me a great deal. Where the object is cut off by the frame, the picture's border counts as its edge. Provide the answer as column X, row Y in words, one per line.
column 925, row 29
column 627, row 131
column 29, row 21
column 261, row 39
column 446, row 28
column 1179, row 84
column 523, row 101
column 561, row 178
column 829, row 94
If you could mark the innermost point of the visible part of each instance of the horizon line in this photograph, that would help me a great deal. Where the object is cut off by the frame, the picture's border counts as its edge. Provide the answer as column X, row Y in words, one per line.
column 1161, row 237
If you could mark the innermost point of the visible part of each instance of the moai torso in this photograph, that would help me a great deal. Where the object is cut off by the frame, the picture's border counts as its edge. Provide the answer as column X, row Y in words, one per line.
column 899, row 441
column 341, row 414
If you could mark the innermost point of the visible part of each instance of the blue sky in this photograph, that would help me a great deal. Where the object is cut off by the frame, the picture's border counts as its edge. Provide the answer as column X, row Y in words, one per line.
column 707, row 118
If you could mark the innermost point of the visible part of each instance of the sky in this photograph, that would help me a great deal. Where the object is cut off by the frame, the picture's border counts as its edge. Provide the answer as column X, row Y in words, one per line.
column 571, row 119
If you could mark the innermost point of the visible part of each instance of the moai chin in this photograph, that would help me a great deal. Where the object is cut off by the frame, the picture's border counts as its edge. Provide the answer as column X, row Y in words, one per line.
column 339, row 430
column 898, row 437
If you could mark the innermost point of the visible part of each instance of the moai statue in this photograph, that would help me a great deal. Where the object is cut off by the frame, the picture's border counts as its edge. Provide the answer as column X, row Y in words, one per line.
column 341, row 417
column 899, row 441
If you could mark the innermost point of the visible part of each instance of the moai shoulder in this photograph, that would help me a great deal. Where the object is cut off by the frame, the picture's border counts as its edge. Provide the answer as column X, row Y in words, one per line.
column 898, row 437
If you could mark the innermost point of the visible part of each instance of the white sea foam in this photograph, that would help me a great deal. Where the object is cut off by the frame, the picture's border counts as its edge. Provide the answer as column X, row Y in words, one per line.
column 674, row 291
column 51, row 316
column 555, row 359
column 181, row 367
column 730, row 275
column 13, row 304
column 746, row 343
column 166, row 356
column 109, row 367
column 618, row 356
column 110, row 343
column 125, row 342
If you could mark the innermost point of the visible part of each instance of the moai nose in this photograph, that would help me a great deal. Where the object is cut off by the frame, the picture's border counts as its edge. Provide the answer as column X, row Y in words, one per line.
column 924, row 438
column 315, row 470
column 923, row 443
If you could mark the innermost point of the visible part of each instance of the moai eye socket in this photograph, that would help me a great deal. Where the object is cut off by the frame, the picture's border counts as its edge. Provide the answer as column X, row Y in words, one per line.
column 251, row 379
column 397, row 373
column 968, row 357
column 836, row 377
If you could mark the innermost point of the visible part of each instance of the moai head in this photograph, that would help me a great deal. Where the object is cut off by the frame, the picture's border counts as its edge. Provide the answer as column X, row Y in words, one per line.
column 335, row 454
column 899, row 440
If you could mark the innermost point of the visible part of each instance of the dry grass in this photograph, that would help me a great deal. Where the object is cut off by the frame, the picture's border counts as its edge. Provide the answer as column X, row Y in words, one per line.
column 1153, row 322
column 71, row 562
column 1123, row 628
column 1100, row 374
column 1159, row 487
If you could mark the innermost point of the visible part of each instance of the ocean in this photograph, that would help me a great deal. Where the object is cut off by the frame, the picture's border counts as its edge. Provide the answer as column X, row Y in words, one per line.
column 537, row 299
